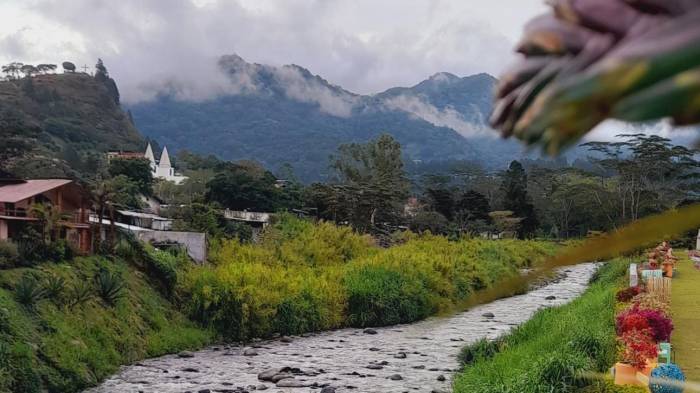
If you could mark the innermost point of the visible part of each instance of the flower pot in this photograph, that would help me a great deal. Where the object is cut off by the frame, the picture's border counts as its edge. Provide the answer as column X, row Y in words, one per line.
column 651, row 364
column 668, row 269
column 626, row 374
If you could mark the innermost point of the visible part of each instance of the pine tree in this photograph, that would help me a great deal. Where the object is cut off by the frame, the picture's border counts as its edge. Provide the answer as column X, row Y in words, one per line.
column 516, row 199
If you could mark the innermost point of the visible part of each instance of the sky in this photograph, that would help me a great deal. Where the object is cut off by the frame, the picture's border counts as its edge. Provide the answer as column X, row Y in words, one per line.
column 365, row 46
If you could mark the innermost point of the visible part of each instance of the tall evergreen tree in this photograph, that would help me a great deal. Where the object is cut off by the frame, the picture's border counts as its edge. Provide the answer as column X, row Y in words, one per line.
column 516, row 199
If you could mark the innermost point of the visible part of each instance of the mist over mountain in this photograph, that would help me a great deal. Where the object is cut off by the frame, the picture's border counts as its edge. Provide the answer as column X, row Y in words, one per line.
column 280, row 115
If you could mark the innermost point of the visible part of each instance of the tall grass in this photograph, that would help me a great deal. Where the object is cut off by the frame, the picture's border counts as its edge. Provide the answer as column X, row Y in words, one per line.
column 548, row 353
column 307, row 277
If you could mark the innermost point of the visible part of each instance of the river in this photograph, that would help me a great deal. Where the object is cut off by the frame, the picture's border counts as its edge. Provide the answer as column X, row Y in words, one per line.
column 417, row 357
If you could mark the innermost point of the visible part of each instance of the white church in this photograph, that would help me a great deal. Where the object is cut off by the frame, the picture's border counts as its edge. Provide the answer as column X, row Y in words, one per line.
column 163, row 169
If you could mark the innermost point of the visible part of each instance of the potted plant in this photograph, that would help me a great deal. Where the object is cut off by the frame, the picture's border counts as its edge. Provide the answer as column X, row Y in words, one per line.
column 638, row 354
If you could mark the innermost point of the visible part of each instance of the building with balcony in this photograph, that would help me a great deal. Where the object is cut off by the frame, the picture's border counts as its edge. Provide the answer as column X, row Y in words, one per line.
column 72, row 201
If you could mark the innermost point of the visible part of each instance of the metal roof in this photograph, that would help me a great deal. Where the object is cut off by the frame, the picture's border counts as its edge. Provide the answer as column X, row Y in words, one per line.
column 143, row 215
column 13, row 193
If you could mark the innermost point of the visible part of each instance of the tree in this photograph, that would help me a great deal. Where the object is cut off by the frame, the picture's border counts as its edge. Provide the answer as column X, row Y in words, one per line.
column 102, row 76
column 68, row 67
column 644, row 174
column 442, row 201
column 433, row 222
column 28, row 70
column 46, row 68
column 244, row 187
column 12, row 70
column 137, row 170
column 371, row 183
column 516, row 199
column 49, row 218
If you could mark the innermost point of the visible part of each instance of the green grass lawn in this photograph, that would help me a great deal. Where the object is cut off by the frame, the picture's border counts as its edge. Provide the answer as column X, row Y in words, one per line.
column 685, row 308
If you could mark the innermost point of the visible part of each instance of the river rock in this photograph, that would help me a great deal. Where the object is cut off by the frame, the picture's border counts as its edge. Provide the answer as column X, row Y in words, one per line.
column 369, row 331
column 488, row 315
column 441, row 378
column 286, row 339
column 396, row 377
column 185, row 354
column 328, row 389
column 261, row 387
column 250, row 352
column 268, row 374
column 190, row 370
column 401, row 355
column 550, row 298
column 292, row 383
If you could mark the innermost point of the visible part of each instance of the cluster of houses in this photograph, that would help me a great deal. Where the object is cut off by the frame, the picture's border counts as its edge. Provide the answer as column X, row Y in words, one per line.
column 77, row 220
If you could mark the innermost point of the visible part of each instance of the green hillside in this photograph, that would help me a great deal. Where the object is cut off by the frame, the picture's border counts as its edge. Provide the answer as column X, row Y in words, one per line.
column 58, row 124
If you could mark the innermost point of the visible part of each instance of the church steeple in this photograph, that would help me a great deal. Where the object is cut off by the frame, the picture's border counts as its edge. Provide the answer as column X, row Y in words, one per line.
column 149, row 155
column 164, row 159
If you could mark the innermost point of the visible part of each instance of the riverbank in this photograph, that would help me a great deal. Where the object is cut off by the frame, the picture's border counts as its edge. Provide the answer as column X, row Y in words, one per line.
column 546, row 353
column 308, row 277
column 420, row 357
column 59, row 335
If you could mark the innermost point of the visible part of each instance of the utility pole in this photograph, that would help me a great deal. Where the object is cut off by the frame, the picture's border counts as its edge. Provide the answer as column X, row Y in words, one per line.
column 85, row 68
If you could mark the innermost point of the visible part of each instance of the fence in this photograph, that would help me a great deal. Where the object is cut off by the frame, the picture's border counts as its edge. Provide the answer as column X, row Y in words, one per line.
column 660, row 286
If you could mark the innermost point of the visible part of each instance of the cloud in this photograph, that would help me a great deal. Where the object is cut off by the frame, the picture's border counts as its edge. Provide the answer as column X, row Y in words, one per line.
column 306, row 88
column 470, row 126
column 365, row 46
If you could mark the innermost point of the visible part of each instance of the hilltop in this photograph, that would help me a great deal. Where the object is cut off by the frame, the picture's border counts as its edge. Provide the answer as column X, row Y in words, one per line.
column 58, row 124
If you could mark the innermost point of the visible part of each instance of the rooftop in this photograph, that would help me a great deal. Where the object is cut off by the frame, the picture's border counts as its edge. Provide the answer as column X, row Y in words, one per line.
column 13, row 193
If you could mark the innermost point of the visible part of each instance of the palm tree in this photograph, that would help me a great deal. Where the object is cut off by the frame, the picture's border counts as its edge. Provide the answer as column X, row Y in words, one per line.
column 588, row 60
column 104, row 192
column 49, row 218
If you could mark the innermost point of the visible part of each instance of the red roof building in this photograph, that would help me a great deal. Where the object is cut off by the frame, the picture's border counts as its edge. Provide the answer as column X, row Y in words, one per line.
column 17, row 197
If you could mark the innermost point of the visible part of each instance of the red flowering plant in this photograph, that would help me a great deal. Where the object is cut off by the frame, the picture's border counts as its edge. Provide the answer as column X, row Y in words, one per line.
column 630, row 320
column 637, row 347
column 635, row 318
column 625, row 295
column 660, row 324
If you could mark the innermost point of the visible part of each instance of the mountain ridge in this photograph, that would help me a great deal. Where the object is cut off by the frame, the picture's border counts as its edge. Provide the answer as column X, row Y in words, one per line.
column 288, row 115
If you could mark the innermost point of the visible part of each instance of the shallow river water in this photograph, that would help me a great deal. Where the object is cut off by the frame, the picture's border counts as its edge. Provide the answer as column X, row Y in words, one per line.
column 418, row 357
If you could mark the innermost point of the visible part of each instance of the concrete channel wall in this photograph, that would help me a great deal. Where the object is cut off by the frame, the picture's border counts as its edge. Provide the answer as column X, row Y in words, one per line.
column 195, row 243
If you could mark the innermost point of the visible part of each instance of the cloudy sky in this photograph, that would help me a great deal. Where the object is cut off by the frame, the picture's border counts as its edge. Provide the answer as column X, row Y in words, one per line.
column 365, row 46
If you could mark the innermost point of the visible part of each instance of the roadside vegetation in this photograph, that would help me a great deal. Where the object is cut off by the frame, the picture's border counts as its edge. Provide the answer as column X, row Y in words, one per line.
column 550, row 352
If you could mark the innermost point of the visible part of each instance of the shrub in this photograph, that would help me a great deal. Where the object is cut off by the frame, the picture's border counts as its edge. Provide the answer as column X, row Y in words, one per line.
column 80, row 293
column 638, row 319
column 9, row 254
column 663, row 373
column 651, row 301
column 58, row 251
column 559, row 372
column 298, row 315
column 638, row 347
column 110, row 286
column 54, row 287
column 28, row 291
column 162, row 266
column 630, row 320
column 380, row 296
column 661, row 325
column 481, row 350
column 626, row 295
